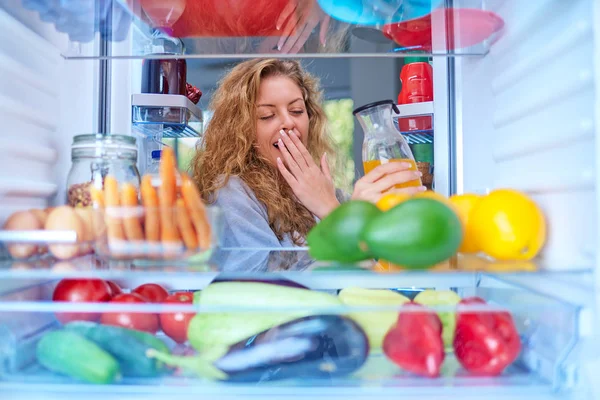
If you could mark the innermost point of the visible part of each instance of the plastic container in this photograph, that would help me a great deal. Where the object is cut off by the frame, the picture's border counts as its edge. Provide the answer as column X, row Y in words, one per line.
column 125, row 233
column 417, row 87
column 94, row 156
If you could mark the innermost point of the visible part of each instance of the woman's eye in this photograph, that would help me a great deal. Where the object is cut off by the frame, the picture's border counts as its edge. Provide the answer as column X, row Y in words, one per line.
column 266, row 117
column 298, row 112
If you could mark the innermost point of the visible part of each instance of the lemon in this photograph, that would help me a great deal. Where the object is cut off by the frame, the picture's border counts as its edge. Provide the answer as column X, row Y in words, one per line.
column 508, row 225
column 390, row 200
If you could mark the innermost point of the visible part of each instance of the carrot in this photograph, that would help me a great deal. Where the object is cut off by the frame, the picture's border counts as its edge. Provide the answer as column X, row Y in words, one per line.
column 97, row 196
column 150, row 202
column 111, row 198
column 129, row 198
column 185, row 226
column 197, row 210
column 167, row 194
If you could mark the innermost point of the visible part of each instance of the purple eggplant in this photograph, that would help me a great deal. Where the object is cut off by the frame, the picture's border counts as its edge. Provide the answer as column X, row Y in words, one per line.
column 276, row 281
column 320, row 346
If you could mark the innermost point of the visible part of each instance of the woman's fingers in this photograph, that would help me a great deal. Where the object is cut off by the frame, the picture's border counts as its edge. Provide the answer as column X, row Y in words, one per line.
column 290, row 145
column 384, row 169
column 295, row 138
column 393, row 179
column 289, row 8
column 323, row 30
column 287, row 175
column 325, row 166
column 289, row 159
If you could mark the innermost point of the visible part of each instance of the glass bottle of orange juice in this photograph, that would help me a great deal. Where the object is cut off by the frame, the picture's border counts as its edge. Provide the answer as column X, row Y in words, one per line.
column 383, row 143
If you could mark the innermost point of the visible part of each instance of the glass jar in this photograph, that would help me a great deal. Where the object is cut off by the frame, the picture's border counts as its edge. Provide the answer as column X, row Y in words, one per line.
column 95, row 156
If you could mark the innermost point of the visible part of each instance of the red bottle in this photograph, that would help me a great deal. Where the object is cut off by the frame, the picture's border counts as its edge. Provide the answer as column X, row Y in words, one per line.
column 417, row 87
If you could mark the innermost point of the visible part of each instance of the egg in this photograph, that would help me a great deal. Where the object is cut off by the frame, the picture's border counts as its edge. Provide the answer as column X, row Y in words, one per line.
column 86, row 214
column 65, row 218
column 42, row 215
column 22, row 221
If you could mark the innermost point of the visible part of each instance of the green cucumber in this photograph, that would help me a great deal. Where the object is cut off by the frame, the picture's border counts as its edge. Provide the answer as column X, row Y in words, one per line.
column 73, row 355
column 129, row 347
column 209, row 330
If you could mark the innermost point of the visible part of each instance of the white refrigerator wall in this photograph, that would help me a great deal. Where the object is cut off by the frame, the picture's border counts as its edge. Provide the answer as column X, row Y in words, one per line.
column 44, row 102
column 525, row 120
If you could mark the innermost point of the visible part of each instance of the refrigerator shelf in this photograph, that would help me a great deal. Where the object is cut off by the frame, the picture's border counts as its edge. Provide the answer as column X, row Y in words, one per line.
column 548, row 329
column 174, row 116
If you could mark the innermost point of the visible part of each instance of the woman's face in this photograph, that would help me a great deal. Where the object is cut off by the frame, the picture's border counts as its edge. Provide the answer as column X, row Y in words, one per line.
column 280, row 105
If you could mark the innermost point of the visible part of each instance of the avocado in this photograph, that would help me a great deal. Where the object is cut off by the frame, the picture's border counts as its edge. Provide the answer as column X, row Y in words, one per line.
column 417, row 234
column 337, row 236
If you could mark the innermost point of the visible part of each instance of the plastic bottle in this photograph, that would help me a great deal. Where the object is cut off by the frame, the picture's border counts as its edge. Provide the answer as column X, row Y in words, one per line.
column 417, row 86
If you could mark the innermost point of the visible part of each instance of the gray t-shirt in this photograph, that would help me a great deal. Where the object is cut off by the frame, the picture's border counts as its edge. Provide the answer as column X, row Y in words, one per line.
column 245, row 220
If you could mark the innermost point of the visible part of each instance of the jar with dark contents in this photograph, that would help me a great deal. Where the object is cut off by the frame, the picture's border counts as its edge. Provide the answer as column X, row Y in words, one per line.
column 96, row 156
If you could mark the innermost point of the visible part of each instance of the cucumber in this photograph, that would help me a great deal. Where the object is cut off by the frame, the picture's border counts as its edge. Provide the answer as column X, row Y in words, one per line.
column 127, row 346
column 73, row 355
column 209, row 330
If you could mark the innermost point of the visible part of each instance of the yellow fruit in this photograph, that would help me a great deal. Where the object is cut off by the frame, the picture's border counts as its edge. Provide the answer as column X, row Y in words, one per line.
column 508, row 225
column 390, row 200
column 386, row 267
column 463, row 205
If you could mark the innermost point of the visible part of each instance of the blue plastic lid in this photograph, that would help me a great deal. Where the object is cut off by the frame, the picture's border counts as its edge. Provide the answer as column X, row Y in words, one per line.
column 364, row 12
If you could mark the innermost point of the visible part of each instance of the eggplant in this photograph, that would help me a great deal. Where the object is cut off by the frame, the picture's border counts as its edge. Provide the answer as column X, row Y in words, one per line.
column 318, row 346
column 277, row 281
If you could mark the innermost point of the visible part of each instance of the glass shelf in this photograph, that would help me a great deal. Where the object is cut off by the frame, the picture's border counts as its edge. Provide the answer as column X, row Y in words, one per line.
column 248, row 28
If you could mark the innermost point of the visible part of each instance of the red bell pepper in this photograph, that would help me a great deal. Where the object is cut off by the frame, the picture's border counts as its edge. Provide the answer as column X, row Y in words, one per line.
column 485, row 342
column 415, row 343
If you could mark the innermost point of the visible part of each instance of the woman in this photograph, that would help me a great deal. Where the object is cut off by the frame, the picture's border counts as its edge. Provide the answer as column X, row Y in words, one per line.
column 265, row 157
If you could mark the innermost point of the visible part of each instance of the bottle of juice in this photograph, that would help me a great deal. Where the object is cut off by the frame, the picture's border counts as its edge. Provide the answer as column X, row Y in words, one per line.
column 383, row 143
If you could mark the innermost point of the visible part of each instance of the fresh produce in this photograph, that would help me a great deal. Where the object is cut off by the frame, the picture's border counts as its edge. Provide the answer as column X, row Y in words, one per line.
column 434, row 298
column 275, row 281
column 175, row 325
column 337, row 236
column 73, row 355
column 376, row 324
column 133, row 320
column 129, row 351
column 508, row 225
column 65, row 218
column 81, row 290
column 415, row 343
column 320, row 346
column 152, row 292
column 115, row 289
column 464, row 205
column 417, row 233
column 391, row 200
column 22, row 221
column 485, row 342
column 207, row 330
column 172, row 216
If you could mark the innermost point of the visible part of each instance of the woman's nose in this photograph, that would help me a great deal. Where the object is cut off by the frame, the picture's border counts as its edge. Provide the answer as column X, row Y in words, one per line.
column 287, row 122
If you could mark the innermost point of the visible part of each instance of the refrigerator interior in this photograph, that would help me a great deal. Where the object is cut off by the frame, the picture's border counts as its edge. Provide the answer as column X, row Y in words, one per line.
column 517, row 110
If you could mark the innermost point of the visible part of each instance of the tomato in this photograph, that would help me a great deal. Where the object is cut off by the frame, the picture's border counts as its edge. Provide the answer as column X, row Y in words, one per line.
column 152, row 292
column 132, row 320
column 114, row 288
column 175, row 325
column 78, row 291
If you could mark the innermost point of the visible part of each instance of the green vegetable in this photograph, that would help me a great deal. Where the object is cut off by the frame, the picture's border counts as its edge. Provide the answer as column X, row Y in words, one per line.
column 376, row 324
column 434, row 298
column 207, row 330
column 73, row 355
column 129, row 347
column 417, row 234
column 337, row 236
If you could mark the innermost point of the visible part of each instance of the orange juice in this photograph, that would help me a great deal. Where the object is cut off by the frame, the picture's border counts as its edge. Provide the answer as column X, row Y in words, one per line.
column 370, row 165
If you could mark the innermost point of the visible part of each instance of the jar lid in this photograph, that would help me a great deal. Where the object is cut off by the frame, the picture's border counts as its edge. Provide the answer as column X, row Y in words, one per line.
column 97, row 140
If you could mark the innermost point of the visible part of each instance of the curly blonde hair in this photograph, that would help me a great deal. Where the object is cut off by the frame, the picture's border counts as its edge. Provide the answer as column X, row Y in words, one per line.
column 229, row 145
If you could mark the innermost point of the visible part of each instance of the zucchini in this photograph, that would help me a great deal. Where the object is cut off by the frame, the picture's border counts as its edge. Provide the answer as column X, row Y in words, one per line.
column 209, row 330
column 127, row 346
column 73, row 355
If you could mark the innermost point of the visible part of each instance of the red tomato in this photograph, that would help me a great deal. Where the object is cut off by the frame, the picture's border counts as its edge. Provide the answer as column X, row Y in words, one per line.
column 114, row 288
column 175, row 325
column 132, row 320
column 152, row 292
column 78, row 291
